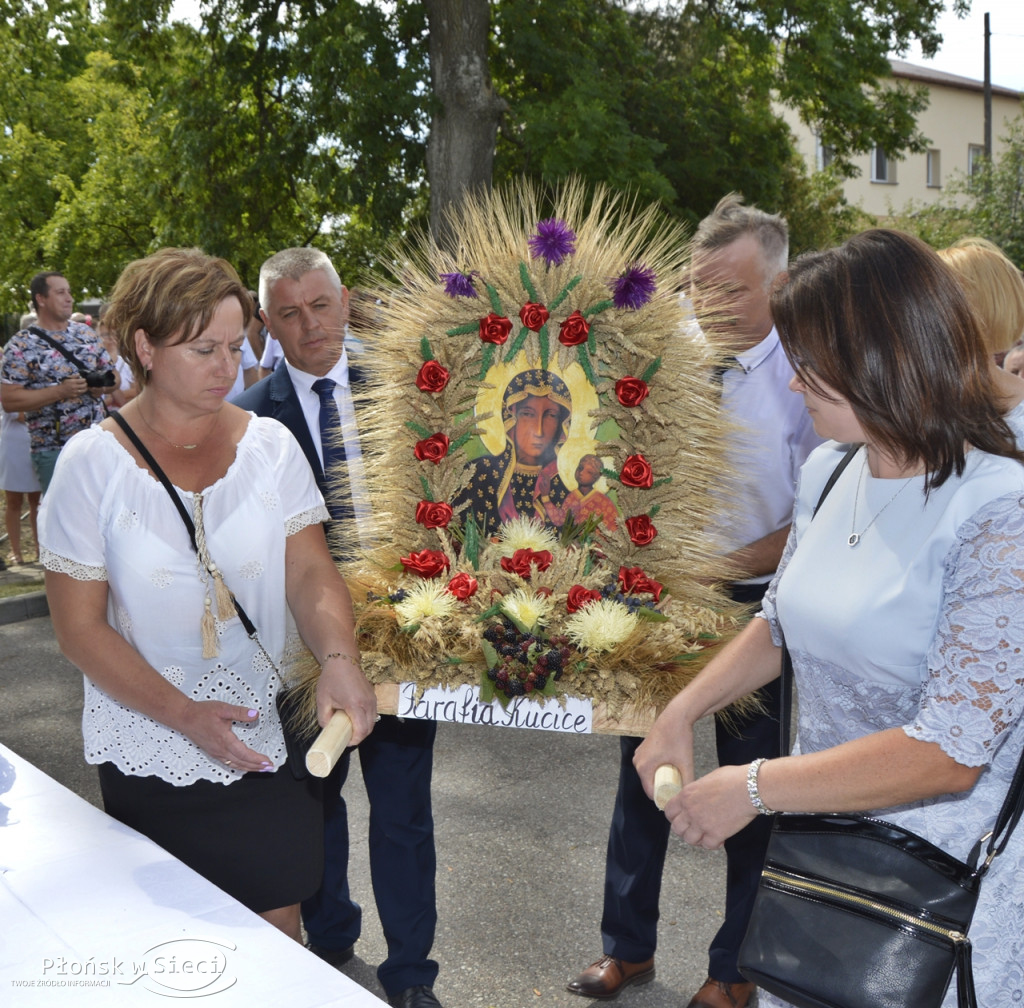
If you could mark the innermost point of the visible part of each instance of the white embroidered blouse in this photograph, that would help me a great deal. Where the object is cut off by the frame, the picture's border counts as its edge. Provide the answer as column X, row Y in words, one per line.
column 104, row 518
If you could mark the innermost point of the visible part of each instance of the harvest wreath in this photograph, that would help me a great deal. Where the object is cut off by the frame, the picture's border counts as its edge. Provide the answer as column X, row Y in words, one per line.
column 543, row 452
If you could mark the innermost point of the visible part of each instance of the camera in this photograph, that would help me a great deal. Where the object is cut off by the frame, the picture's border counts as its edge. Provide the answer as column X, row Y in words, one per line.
column 99, row 379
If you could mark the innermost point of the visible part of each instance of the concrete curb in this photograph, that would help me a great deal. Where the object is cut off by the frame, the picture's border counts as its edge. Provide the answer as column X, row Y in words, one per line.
column 23, row 607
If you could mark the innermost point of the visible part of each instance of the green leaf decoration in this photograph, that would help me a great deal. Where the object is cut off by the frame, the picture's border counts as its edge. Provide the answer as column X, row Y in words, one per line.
column 584, row 359
column 655, row 508
column 564, row 292
column 492, row 295
column 486, row 689
column 545, row 347
column 551, row 688
column 651, row 615
column 426, row 489
column 487, row 361
column 611, row 474
column 524, row 275
column 661, row 482
column 428, row 354
column 490, row 655
column 471, row 542
column 598, row 308
column 454, row 660
column 410, row 629
column 517, row 344
column 463, row 330
column 418, row 428
column 651, row 370
column 460, row 441
column 488, row 613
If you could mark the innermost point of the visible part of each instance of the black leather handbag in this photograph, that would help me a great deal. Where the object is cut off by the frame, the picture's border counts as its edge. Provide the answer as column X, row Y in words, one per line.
column 856, row 912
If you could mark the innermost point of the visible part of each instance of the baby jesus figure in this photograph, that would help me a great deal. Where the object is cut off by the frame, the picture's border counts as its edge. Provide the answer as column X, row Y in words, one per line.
column 584, row 500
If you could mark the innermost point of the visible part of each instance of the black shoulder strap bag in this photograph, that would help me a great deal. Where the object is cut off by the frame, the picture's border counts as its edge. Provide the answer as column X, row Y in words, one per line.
column 856, row 912
column 93, row 378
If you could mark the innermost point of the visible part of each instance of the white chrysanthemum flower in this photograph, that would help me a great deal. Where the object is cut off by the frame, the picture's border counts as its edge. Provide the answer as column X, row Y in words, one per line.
column 525, row 533
column 526, row 608
column 428, row 598
column 600, row 625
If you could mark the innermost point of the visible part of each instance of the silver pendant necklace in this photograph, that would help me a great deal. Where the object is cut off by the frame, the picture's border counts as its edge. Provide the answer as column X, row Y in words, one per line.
column 855, row 537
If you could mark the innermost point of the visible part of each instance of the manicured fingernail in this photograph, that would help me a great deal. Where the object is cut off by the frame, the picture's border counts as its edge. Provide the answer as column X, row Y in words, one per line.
column 254, row 713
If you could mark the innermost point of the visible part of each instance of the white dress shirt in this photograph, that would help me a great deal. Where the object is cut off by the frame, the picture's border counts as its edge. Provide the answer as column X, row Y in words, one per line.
column 775, row 437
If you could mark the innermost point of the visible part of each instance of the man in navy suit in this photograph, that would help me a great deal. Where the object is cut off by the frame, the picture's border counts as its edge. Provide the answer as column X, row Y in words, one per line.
column 305, row 307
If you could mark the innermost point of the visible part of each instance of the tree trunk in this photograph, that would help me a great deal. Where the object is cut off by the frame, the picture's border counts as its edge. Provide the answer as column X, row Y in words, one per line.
column 460, row 151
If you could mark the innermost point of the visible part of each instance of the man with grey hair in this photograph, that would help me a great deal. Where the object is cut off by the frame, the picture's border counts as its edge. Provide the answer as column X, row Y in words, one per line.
column 304, row 305
column 738, row 254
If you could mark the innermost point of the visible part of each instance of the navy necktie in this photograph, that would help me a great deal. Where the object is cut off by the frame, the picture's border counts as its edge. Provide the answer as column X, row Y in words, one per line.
column 333, row 447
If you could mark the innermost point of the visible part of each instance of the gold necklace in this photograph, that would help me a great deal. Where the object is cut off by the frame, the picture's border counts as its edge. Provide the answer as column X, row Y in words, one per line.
column 184, row 447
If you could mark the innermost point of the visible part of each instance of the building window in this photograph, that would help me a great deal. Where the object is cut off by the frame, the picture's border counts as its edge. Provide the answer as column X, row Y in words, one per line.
column 975, row 159
column 934, row 179
column 823, row 154
column 883, row 168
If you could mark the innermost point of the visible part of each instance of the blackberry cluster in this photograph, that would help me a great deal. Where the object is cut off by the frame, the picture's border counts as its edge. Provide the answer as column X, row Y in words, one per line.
column 613, row 591
column 525, row 662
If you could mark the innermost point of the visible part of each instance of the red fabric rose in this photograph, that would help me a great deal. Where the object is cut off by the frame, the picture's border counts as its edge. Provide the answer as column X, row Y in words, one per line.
column 462, row 586
column 427, row 563
column 636, row 472
column 523, row 560
column 631, row 391
column 641, row 529
column 432, row 449
column 545, row 591
column 533, row 315
column 579, row 597
column 431, row 514
column 495, row 329
column 432, row 377
column 574, row 330
column 634, row 580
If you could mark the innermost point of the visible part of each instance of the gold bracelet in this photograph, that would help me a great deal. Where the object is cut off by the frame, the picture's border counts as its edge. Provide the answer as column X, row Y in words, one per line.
column 340, row 654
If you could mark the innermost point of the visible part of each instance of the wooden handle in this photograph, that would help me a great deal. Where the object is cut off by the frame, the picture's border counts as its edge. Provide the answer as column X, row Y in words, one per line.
column 668, row 782
column 328, row 746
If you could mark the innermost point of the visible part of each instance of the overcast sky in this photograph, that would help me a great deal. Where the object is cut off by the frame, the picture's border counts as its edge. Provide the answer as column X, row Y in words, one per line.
column 963, row 47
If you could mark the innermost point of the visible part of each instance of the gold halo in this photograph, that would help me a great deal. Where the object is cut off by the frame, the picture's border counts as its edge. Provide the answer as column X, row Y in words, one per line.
column 582, row 439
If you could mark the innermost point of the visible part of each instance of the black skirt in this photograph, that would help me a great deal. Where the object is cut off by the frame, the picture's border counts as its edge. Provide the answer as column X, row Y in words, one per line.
column 260, row 838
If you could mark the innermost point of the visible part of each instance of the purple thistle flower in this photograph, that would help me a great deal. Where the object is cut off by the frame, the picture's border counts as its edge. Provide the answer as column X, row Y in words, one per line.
column 634, row 288
column 458, row 285
column 553, row 241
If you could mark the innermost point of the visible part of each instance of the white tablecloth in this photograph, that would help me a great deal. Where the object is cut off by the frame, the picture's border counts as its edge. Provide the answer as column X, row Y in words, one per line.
column 93, row 913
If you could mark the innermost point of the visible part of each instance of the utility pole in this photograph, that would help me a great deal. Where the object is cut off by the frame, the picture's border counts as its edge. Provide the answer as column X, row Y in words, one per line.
column 988, row 90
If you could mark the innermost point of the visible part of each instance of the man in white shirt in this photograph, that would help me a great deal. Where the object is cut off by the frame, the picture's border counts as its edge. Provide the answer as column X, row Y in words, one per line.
column 305, row 308
column 738, row 254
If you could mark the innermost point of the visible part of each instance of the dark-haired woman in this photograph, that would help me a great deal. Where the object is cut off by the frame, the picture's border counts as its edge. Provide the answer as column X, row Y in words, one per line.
column 180, row 708
column 901, row 602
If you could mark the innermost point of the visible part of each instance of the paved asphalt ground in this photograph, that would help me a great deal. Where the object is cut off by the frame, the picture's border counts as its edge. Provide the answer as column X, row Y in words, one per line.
column 521, row 820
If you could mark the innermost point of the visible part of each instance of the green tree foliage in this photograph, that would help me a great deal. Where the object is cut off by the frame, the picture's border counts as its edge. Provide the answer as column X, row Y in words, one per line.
column 274, row 123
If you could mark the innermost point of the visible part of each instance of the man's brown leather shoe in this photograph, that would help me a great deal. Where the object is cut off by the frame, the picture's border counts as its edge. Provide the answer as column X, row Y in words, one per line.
column 606, row 977
column 717, row 994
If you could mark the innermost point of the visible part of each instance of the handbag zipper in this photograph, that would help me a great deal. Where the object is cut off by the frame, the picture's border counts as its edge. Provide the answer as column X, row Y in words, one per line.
column 841, row 896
